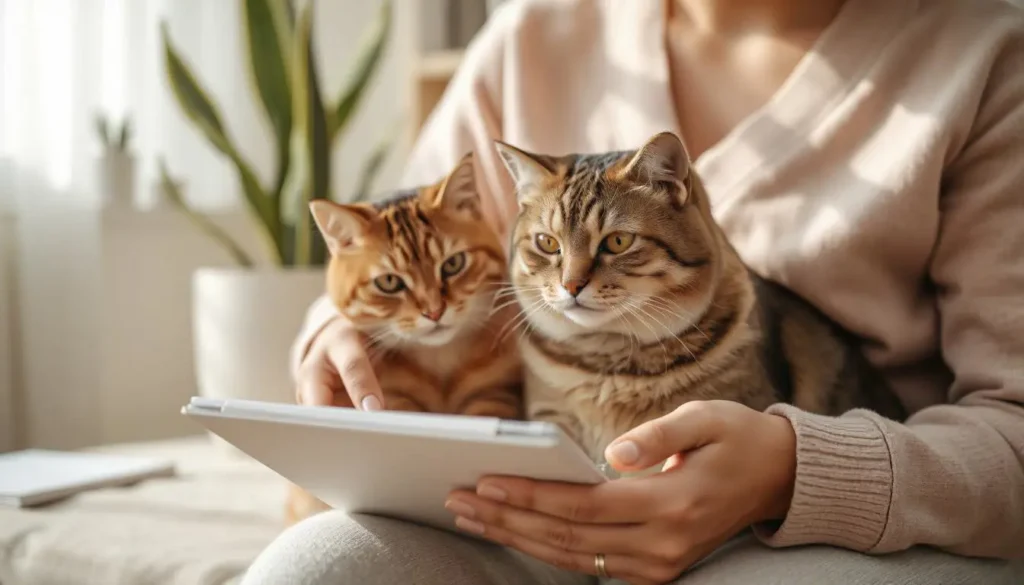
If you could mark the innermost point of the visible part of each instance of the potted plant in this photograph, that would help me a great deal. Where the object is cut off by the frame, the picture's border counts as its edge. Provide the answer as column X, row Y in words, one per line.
column 245, row 317
column 115, row 167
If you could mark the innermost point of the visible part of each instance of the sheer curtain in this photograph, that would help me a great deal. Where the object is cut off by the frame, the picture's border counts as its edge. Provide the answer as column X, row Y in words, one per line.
column 62, row 62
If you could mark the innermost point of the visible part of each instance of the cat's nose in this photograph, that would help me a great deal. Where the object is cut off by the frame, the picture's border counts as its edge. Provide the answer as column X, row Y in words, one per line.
column 575, row 286
column 435, row 313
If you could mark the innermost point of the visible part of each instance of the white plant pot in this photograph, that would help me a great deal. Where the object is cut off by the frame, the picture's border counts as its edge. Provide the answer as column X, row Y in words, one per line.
column 115, row 179
column 244, row 323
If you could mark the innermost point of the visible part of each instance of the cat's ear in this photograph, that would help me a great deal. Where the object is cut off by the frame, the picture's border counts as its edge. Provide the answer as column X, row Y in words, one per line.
column 528, row 170
column 458, row 192
column 344, row 227
column 662, row 160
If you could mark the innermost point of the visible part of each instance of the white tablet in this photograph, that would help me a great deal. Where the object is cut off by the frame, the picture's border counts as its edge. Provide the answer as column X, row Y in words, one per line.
column 401, row 465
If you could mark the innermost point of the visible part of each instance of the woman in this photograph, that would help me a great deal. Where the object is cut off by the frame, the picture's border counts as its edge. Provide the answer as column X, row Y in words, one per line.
column 869, row 154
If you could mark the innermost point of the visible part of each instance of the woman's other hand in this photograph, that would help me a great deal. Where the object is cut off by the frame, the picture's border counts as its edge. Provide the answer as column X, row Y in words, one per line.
column 726, row 467
column 337, row 371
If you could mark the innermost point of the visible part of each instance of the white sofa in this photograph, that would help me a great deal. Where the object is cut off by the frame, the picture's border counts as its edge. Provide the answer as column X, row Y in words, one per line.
column 201, row 527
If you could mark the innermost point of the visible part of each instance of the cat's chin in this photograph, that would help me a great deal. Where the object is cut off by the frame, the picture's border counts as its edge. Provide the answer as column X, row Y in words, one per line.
column 437, row 337
column 589, row 318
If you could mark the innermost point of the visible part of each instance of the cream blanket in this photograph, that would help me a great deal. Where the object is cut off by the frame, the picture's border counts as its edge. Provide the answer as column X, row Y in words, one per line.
column 202, row 527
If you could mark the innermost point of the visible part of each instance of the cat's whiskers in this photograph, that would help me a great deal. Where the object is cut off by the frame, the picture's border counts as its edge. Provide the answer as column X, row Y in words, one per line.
column 672, row 314
column 656, row 302
column 643, row 310
column 521, row 317
column 632, row 310
column 503, row 294
column 658, row 311
column 503, row 306
column 526, row 321
column 510, row 284
column 633, row 340
column 526, row 314
column 511, row 324
column 683, row 344
column 528, row 327
column 511, row 291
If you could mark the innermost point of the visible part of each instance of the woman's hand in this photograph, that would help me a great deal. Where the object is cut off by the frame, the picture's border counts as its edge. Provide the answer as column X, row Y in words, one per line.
column 726, row 467
column 336, row 370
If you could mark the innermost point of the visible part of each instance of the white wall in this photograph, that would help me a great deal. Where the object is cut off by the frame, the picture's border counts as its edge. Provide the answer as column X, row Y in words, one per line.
column 106, row 343
column 8, row 431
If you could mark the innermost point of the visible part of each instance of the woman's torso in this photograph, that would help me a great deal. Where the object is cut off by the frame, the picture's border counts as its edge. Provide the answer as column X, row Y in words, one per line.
column 832, row 188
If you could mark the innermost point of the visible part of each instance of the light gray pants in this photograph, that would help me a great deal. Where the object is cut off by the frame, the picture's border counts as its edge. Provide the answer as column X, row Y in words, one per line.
column 335, row 549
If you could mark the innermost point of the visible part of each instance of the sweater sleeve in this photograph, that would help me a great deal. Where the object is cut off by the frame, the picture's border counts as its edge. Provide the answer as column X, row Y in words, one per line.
column 952, row 476
column 467, row 118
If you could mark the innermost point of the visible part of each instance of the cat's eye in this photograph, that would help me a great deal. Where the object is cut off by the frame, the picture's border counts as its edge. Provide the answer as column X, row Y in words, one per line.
column 547, row 244
column 453, row 265
column 389, row 283
column 618, row 242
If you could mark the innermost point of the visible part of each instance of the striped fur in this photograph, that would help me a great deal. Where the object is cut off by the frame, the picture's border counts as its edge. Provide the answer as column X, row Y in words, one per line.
column 672, row 317
column 457, row 364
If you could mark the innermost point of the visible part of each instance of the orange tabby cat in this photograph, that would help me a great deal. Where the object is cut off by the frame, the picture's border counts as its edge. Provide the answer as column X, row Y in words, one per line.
column 419, row 275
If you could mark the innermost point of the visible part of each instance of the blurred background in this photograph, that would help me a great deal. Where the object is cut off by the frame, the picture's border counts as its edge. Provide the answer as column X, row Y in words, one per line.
column 156, row 158
column 98, row 260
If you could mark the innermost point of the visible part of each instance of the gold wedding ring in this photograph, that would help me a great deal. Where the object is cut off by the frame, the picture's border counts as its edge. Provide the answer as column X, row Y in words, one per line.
column 599, row 565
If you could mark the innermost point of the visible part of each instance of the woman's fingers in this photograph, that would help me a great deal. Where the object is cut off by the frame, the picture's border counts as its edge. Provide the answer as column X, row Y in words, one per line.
column 315, row 384
column 636, row 570
column 550, row 530
column 623, row 501
column 348, row 355
column 335, row 365
column 688, row 427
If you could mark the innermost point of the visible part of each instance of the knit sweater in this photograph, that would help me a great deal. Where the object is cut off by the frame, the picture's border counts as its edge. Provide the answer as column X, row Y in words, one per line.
column 883, row 182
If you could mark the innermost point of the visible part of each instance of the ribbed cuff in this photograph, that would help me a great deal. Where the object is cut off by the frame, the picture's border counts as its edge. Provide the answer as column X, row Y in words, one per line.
column 843, row 483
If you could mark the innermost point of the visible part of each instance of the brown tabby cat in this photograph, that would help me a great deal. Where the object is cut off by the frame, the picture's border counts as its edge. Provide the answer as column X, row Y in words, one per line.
column 637, row 303
column 419, row 275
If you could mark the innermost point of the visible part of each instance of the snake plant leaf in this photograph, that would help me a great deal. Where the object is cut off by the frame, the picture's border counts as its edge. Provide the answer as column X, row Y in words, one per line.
column 268, row 34
column 312, row 142
column 203, row 113
column 289, row 7
column 103, row 130
column 191, row 97
column 211, row 229
column 124, row 136
column 318, row 140
column 365, row 65
column 260, row 202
